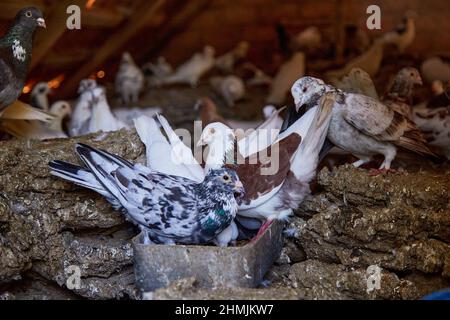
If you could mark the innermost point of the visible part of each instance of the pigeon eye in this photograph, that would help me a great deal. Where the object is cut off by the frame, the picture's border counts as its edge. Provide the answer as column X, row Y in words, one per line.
column 212, row 130
column 226, row 178
column 305, row 89
column 28, row 14
column 412, row 74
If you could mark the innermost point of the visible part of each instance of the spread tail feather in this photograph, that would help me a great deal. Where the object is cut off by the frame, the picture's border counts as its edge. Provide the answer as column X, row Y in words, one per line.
column 82, row 177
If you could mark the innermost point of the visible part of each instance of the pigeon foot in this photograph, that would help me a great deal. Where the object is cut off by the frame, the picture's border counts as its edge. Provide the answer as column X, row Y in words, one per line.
column 261, row 231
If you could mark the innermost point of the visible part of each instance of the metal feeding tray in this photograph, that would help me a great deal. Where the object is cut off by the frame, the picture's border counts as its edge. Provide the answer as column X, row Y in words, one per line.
column 156, row 266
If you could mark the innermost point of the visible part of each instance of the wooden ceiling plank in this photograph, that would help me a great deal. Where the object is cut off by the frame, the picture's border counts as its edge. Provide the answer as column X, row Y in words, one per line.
column 113, row 43
column 56, row 27
column 9, row 9
column 174, row 25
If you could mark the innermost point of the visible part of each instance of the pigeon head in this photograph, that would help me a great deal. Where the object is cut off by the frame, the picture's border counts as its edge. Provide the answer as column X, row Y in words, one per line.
column 216, row 132
column 410, row 76
column 31, row 18
column 225, row 180
column 404, row 83
column 61, row 109
column 307, row 91
column 127, row 58
column 98, row 94
column 41, row 88
column 86, row 85
column 268, row 111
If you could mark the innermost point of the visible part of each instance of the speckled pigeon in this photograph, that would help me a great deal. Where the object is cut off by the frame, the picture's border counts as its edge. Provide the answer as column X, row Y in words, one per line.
column 362, row 125
column 167, row 208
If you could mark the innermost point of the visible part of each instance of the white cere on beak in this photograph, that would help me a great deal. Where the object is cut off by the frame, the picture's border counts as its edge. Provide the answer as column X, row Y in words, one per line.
column 41, row 22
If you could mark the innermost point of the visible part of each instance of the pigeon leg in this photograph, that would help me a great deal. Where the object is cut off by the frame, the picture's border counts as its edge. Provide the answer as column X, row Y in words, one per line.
column 261, row 231
column 360, row 162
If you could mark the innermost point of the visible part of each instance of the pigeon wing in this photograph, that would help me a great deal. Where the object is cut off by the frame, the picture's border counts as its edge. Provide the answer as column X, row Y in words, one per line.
column 259, row 181
column 378, row 121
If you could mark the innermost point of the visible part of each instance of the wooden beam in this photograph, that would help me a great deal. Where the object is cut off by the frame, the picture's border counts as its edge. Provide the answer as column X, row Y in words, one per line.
column 96, row 17
column 9, row 8
column 173, row 26
column 56, row 27
column 113, row 43
column 102, row 17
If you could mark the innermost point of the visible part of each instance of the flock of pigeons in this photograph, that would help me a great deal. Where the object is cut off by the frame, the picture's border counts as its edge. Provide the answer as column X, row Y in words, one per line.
column 249, row 177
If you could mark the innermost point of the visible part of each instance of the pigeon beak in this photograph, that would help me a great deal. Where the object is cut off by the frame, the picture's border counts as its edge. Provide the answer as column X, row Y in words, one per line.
column 238, row 189
column 201, row 143
column 419, row 82
column 41, row 23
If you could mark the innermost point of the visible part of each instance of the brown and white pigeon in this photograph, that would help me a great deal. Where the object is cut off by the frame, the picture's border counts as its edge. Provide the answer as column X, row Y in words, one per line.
column 362, row 125
column 277, row 178
column 400, row 94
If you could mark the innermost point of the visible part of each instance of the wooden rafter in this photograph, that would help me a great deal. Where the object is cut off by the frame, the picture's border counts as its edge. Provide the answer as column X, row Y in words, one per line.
column 174, row 25
column 56, row 26
column 114, row 42
column 9, row 8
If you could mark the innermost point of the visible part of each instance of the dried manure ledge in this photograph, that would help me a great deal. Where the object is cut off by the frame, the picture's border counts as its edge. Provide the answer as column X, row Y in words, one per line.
column 398, row 221
column 47, row 225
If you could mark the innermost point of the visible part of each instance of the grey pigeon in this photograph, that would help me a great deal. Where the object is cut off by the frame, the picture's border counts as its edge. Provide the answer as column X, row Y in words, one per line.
column 362, row 125
column 169, row 209
column 15, row 54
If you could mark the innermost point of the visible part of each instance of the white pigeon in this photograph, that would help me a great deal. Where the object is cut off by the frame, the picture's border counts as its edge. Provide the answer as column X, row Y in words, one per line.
column 82, row 111
column 269, row 111
column 167, row 153
column 127, row 115
column 288, row 73
column 102, row 119
column 231, row 88
column 192, row 70
column 129, row 80
column 227, row 61
column 39, row 96
column 61, row 110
